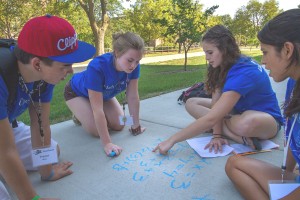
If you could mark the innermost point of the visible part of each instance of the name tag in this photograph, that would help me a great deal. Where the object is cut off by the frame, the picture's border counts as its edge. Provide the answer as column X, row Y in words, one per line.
column 126, row 120
column 44, row 156
column 278, row 190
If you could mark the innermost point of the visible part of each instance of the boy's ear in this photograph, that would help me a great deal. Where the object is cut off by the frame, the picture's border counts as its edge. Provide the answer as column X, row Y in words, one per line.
column 35, row 61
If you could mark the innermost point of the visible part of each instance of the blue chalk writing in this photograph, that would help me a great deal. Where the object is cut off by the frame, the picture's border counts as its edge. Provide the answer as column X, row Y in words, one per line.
column 197, row 167
column 177, row 168
column 202, row 198
column 171, row 174
column 182, row 185
column 119, row 167
column 137, row 177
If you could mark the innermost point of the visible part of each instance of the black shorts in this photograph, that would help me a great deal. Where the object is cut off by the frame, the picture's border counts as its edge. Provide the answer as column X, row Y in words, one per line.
column 69, row 93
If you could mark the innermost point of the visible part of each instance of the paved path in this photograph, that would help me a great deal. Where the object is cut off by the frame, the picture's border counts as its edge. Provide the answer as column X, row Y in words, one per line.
column 79, row 67
column 169, row 57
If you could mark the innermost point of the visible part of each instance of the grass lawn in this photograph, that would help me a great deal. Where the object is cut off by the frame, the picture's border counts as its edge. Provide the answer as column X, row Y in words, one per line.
column 156, row 79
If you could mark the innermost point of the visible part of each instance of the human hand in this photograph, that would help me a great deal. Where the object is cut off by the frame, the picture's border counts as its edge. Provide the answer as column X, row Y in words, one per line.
column 163, row 147
column 216, row 144
column 137, row 130
column 59, row 171
column 110, row 147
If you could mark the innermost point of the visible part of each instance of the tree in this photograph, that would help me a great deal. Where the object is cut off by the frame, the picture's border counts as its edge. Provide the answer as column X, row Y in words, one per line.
column 98, row 26
column 13, row 16
column 15, row 13
column 143, row 15
column 188, row 23
column 99, row 14
column 249, row 20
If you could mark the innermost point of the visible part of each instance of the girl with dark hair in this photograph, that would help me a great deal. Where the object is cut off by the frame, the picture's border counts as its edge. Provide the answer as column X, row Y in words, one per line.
column 243, row 107
column 280, row 42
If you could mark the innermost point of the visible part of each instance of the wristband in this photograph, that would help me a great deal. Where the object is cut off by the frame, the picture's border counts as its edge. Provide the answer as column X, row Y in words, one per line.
column 136, row 131
column 49, row 177
column 36, row 197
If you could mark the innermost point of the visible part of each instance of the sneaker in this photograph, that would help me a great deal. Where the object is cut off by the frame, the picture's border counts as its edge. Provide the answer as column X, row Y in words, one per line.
column 76, row 121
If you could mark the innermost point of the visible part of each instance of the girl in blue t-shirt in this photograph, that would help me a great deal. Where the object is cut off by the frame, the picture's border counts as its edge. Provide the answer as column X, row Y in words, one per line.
column 243, row 107
column 280, row 42
column 90, row 94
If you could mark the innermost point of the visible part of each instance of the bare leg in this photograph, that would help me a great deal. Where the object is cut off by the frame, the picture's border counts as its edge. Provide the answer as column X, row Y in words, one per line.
column 250, row 124
column 84, row 114
column 251, row 176
column 198, row 107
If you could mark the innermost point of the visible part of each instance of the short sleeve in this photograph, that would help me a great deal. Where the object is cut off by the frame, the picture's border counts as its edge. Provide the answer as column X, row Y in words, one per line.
column 94, row 79
column 3, row 99
column 240, row 84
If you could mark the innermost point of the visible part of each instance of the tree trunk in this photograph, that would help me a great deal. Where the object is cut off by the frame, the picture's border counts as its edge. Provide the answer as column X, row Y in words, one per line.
column 98, row 28
column 180, row 46
column 185, row 57
column 101, row 42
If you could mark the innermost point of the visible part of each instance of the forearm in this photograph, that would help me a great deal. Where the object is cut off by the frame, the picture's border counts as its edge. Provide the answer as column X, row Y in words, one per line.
column 134, row 109
column 217, row 128
column 199, row 126
column 101, row 126
column 13, row 171
column 38, row 142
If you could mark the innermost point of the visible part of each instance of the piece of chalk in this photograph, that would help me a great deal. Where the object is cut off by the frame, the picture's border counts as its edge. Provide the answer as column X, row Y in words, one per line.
column 112, row 154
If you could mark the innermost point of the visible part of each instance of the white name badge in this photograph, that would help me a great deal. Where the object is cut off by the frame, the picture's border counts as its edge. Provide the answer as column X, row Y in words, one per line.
column 126, row 120
column 278, row 190
column 44, row 156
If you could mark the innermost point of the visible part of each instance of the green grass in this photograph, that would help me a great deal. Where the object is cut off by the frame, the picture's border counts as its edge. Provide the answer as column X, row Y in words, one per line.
column 156, row 79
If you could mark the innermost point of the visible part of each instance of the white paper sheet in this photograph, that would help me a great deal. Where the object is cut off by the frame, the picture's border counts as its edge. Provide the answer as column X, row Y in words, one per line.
column 198, row 145
column 280, row 190
column 265, row 144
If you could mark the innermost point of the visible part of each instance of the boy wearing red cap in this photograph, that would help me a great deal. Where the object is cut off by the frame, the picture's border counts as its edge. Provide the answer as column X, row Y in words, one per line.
column 46, row 49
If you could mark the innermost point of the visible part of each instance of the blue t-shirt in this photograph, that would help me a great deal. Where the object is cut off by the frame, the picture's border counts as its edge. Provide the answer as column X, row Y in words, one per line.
column 252, row 82
column 22, row 100
column 102, row 76
column 295, row 138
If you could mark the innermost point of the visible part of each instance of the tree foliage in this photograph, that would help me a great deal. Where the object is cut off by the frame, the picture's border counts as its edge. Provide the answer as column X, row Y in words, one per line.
column 249, row 20
column 96, row 20
column 187, row 23
column 143, row 15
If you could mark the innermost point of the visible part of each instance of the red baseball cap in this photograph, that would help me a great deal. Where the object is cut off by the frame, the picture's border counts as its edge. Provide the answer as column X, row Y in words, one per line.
column 54, row 38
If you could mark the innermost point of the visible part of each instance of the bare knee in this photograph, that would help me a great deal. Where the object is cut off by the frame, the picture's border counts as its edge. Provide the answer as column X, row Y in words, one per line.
column 189, row 104
column 247, row 126
column 116, row 127
column 230, row 165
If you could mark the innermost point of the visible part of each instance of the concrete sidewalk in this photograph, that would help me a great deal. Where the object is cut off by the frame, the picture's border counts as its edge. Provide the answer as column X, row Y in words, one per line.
column 79, row 67
column 139, row 173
